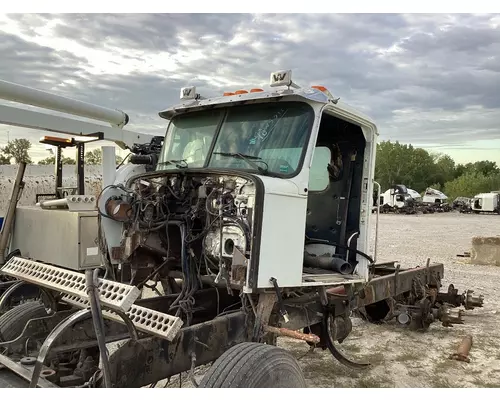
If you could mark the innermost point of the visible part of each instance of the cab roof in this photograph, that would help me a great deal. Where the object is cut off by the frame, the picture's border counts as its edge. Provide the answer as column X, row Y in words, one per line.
column 282, row 89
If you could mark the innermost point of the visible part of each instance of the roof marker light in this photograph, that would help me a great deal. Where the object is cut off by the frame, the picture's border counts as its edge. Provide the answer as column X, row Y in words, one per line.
column 320, row 88
column 255, row 90
column 326, row 92
column 228, row 94
column 188, row 93
column 241, row 92
column 281, row 78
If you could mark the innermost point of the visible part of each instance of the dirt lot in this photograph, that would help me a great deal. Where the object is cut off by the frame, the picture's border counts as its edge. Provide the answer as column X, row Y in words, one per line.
column 401, row 358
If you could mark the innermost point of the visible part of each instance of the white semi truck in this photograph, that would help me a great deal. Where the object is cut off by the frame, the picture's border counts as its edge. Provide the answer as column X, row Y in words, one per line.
column 249, row 221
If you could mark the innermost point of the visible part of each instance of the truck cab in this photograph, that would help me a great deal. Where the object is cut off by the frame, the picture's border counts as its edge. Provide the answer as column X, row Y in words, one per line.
column 486, row 203
column 397, row 197
column 302, row 166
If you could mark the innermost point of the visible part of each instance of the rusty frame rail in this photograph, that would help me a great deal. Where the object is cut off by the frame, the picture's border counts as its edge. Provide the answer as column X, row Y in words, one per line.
column 401, row 281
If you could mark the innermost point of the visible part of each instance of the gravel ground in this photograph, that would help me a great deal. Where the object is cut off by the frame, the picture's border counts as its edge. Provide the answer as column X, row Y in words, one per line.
column 399, row 357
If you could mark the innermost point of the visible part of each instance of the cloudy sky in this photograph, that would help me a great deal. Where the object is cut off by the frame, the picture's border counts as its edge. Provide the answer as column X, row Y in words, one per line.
column 432, row 80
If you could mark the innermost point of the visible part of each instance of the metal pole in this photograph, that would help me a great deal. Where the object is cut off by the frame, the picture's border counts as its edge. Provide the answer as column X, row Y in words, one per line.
column 26, row 95
column 59, row 173
column 108, row 165
column 9, row 218
column 379, row 190
column 80, row 167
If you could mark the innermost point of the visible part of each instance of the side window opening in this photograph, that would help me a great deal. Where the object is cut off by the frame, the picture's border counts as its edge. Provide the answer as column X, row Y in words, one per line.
column 319, row 178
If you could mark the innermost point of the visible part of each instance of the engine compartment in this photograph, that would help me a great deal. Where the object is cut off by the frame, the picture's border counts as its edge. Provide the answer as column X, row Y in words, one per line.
column 189, row 226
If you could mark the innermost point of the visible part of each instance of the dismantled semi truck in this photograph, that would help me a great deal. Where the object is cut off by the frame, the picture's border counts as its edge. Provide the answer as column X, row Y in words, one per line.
column 399, row 200
column 437, row 200
column 249, row 220
column 486, row 203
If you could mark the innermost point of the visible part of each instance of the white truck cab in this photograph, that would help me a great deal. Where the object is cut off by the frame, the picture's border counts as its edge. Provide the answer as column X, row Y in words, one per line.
column 313, row 158
column 486, row 202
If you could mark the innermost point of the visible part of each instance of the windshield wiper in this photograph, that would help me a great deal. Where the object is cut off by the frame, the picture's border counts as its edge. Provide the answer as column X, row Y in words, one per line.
column 177, row 163
column 248, row 159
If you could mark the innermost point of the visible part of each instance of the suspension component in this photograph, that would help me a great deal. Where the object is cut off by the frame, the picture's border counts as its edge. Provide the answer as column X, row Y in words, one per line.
column 448, row 316
column 467, row 299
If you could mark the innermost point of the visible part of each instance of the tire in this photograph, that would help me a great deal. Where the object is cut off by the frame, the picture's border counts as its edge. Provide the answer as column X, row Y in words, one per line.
column 13, row 321
column 254, row 365
column 9, row 380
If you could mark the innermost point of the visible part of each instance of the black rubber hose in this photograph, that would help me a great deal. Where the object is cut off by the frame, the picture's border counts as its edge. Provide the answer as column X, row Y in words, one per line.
column 326, row 262
column 319, row 241
column 98, row 324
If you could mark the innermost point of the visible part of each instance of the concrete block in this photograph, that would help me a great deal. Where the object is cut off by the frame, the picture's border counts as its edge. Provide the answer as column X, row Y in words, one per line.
column 485, row 250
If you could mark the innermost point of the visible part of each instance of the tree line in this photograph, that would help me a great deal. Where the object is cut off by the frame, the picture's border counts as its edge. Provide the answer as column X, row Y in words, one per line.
column 418, row 169
column 396, row 164
column 17, row 150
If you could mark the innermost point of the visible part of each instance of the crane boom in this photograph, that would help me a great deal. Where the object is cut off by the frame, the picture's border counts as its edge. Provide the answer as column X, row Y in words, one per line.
column 16, row 116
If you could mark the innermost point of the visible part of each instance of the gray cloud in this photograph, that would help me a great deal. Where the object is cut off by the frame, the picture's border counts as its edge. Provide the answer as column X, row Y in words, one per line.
column 34, row 65
column 417, row 75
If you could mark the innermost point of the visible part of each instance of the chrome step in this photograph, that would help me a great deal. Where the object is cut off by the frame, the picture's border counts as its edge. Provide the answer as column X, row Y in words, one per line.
column 113, row 295
column 146, row 320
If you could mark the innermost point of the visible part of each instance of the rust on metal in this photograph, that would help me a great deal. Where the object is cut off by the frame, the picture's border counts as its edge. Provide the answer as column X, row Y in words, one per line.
column 336, row 290
column 308, row 337
column 464, row 347
column 118, row 209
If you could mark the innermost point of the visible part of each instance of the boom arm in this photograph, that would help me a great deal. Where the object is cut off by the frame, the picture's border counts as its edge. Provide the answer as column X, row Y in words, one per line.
column 41, row 121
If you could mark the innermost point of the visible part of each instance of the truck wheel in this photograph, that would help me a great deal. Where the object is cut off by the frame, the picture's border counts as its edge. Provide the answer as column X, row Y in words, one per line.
column 254, row 365
column 13, row 321
column 9, row 380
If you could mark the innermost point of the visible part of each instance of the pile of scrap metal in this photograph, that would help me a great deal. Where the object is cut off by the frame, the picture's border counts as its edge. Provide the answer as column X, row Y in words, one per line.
column 436, row 200
column 397, row 200
column 487, row 203
column 462, row 205
column 400, row 199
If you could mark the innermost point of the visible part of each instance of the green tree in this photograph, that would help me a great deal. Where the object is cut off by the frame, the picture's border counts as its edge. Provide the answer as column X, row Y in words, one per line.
column 94, row 157
column 482, row 167
column 421, row 170
column 4, row 160
column 404, row 164
column 18, row 150
column 472, row 183
column 52, row 160
column 391, row 163
column 418, row 169
column 445, row 169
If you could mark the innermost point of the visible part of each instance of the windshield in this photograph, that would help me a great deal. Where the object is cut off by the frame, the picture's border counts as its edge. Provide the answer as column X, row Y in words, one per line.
column 188, row 140
column 264, row 138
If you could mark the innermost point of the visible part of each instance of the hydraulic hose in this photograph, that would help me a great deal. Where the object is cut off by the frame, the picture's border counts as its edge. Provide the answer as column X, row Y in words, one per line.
column 92, row 283
column 320, row 241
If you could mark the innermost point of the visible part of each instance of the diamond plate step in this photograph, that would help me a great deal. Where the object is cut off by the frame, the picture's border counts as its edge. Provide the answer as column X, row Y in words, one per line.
column 113, row 295
column 146, row 320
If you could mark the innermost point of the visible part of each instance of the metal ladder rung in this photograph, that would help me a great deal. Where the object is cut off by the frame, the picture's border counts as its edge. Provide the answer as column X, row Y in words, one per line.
column 146, row 320
column 113, row 295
